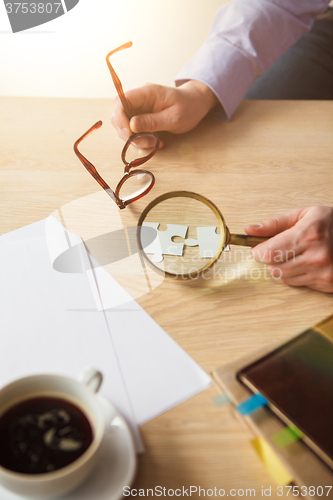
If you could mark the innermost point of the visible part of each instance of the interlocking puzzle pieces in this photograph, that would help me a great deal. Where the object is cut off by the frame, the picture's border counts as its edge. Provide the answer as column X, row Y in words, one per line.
column 163, row 243
column 208, row 241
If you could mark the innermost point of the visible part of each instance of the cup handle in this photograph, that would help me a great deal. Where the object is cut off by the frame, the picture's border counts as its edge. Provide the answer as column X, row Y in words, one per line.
column 91, row 378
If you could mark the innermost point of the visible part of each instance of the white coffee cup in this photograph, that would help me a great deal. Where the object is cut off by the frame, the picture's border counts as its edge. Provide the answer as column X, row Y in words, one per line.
column 81, row 393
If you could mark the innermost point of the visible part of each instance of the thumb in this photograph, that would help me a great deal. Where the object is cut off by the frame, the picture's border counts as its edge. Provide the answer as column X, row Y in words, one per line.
column 150, row 122
column 276, row 225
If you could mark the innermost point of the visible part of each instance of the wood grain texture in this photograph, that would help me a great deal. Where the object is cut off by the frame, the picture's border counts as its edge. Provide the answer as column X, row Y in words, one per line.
column 271, row 157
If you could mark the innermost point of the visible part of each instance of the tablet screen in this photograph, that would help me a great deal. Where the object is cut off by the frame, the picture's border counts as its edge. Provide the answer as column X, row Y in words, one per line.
column 297, row 379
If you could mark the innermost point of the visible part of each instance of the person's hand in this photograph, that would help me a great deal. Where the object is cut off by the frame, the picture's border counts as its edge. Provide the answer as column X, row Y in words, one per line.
column 301, row 250
column 156, row 108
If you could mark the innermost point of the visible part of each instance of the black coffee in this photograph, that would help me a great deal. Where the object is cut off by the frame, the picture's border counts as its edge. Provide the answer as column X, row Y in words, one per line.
column 42, row 435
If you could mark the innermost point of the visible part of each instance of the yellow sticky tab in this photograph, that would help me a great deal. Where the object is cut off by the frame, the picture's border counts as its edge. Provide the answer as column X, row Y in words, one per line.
column 273, row 464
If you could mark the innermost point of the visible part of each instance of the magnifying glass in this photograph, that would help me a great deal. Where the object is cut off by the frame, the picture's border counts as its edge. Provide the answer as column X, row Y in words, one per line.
column 191, row 234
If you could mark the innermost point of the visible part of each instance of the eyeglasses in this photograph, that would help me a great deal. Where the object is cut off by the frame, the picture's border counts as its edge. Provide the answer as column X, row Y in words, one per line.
column 135, row 183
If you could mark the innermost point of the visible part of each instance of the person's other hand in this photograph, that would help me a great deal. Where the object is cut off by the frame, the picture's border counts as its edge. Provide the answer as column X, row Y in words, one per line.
column 300, row 251
column 157, row 107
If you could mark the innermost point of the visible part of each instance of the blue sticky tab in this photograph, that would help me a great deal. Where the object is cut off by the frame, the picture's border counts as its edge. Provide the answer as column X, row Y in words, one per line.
column 252, row 404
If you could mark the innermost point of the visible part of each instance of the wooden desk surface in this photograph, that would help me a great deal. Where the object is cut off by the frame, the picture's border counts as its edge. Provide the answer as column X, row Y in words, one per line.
column 272, row 156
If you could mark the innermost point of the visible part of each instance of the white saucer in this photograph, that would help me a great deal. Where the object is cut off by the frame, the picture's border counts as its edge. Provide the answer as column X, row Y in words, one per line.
column 116, row 467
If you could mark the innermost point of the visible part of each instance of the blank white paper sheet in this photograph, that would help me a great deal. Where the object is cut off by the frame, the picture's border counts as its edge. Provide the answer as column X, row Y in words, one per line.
column 57, row 322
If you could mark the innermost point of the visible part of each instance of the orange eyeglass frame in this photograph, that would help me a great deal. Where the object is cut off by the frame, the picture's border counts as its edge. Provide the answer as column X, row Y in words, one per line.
column 128, row 173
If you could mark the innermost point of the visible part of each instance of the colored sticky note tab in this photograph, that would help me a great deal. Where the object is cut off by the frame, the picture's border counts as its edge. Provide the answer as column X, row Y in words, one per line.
column 252, row 404
column 221, row 399
column 273, row 464
column 287, row 436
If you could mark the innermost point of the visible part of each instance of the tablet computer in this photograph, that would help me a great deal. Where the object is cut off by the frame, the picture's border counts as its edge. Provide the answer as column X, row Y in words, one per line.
column 297, row 381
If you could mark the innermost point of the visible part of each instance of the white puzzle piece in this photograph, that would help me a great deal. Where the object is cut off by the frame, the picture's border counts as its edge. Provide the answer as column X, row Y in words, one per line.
column 163, row 243
column 208, row 241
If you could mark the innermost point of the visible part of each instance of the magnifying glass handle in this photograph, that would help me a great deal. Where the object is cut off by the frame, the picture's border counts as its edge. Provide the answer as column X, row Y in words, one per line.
column 245, row 240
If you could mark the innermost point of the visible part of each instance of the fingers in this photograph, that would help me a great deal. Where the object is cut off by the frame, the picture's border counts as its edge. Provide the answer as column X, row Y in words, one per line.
column 316, row 282
column 152, row 122
column 313, row 268
column 157, row 107
column 280, row 248
column 145, row 123
column 293, row 267
column 300, row 280
column 284, row 244
column 296, row 273
column 271, row 227
column 147, row 104
column 300, row 250
column 120, row 121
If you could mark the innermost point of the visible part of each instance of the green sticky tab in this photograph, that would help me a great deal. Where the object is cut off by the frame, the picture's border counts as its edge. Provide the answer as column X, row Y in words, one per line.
column 287, row 436
column 221, row 399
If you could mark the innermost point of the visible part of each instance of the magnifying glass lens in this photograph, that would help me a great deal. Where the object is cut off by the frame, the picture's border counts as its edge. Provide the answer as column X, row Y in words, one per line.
column 190, row 235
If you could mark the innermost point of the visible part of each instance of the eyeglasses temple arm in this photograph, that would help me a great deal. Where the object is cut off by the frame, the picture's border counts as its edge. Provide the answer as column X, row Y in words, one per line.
column 117, row 82
column 90, row 167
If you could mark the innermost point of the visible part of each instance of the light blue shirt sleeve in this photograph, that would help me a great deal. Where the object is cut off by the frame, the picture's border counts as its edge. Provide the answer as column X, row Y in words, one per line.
column 246, row 38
